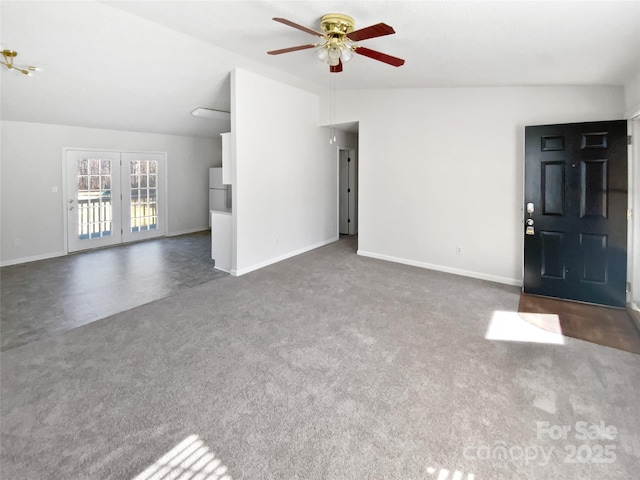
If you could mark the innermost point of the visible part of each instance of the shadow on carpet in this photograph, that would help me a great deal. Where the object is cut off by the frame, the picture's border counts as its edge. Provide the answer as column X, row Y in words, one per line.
column 611, row 327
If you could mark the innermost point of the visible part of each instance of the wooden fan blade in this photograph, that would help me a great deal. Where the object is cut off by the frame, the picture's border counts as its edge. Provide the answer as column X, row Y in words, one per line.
column 299, row 27
column 336, row 68
column 373, row 31
column 382, row 57
column 290, row 49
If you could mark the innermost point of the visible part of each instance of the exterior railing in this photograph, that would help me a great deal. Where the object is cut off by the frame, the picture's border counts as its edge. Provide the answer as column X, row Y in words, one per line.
column 95, row 217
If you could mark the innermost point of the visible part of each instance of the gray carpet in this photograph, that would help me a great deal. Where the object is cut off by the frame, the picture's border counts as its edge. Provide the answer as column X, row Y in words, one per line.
column 324, row 366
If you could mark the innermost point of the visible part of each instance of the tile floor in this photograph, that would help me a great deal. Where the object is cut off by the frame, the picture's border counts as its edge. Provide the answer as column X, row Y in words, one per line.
column 41, row 298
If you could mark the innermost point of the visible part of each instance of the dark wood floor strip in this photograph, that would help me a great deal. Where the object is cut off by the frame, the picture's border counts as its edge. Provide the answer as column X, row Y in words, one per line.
column 612, row 327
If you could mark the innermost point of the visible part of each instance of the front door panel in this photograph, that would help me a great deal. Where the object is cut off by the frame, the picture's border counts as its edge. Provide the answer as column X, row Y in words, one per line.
column 576, row 234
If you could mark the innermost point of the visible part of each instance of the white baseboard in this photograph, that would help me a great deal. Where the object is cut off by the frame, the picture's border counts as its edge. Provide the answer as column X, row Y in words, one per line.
column 635, row 313
column 271, row 261
column 188, row 230
column 45, row 256
column 440, row 268
column 34, row 258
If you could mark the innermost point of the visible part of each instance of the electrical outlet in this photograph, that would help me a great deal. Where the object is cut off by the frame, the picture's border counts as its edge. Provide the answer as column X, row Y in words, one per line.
column 459, row 250
column 16, row 242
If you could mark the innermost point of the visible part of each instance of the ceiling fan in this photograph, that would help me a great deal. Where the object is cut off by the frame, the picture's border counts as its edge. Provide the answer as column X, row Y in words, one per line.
column 338, row 41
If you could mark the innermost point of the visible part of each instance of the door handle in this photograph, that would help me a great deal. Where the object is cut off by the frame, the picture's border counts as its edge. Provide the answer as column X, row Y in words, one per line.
column 530, row 208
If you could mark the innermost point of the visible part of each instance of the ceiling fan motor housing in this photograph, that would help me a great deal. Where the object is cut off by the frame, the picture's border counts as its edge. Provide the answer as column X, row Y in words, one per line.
column 337, row 24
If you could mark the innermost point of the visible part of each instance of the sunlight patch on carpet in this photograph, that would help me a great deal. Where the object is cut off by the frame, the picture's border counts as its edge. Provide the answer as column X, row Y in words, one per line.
column 191, row 459
column 444, row 474
column 511, row 327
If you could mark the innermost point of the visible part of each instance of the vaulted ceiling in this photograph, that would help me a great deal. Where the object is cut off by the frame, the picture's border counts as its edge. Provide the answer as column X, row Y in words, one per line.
column 144, row 65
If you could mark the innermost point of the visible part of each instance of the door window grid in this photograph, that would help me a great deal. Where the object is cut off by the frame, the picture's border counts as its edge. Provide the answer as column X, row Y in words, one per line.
column 95, row 215
column 143, row 195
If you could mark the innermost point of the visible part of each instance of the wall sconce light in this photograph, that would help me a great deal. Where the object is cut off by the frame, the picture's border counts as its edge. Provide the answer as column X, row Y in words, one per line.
column 9, row 55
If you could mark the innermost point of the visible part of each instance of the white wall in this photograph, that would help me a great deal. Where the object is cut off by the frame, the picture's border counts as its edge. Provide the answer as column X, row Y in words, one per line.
column 442, row 168
column 31, row 166
column 285, row 185
column 632, row 96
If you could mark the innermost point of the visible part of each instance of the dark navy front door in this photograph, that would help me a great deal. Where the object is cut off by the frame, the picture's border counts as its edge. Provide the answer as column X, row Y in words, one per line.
column 575, row 231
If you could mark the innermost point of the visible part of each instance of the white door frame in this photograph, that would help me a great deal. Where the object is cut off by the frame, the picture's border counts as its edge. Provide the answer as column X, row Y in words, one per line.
column 634, row 205
column 72, row 201
column 65, row 188
column 160, row 231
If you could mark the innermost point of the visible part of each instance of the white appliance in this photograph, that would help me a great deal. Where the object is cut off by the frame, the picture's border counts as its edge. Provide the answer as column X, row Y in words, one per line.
column 221, row 240
column 219, row 193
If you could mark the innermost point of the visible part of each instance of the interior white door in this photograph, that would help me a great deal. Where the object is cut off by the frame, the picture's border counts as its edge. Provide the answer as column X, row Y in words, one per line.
column 353, row 192
column 343, row 192
column 142, row 196
column 93, row 199
column 348, row 192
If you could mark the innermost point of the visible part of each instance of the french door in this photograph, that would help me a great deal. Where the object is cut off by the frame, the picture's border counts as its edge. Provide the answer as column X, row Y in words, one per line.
column 113, row 197
column 575, row 233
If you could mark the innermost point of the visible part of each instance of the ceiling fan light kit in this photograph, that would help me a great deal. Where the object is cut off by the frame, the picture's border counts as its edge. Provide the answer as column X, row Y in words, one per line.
column 339, row 39
column 9, row 55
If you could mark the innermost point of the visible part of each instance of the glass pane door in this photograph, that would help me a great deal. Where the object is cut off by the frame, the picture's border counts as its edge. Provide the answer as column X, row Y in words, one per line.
column 143, row 195
column 93, row 199
column 143, row 181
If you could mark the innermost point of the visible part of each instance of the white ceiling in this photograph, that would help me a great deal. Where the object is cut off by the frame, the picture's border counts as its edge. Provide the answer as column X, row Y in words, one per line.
column 117, row 65
column 445, row 43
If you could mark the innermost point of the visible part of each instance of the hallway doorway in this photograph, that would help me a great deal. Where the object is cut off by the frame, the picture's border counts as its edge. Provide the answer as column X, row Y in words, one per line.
column 347, row 191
